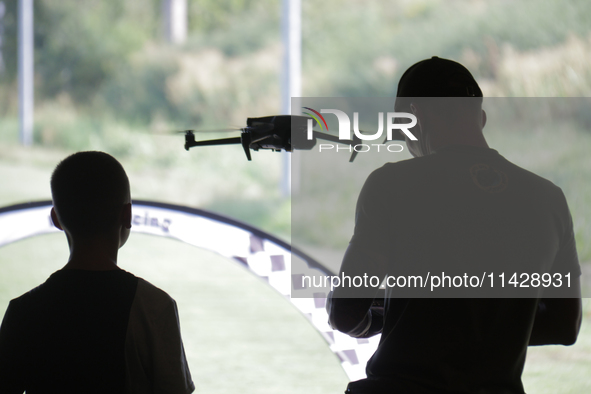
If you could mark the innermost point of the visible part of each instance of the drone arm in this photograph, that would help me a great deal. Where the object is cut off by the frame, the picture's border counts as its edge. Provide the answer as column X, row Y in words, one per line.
column 225, row 141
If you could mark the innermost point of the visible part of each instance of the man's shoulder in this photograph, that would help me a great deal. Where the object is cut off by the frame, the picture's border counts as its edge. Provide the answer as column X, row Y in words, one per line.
column 412, row 168
column 391, row 168
column 458, row 157
column 426, row 162
column 532, row 184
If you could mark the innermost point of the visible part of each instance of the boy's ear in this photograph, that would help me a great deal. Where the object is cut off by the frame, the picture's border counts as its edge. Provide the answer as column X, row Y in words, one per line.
column 126, row 215
column 55, row 220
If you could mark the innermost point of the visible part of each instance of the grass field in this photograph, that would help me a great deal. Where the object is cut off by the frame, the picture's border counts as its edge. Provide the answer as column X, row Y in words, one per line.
column 242, row 336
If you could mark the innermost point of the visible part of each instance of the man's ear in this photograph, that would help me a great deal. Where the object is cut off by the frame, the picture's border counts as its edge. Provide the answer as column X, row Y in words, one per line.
column 416, row 112
column 483, row 118
column 55, row 220
column 126, row 216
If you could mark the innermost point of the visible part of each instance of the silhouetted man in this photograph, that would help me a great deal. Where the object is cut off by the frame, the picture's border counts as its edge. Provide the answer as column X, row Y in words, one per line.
column 457, row 205
column 92, row 327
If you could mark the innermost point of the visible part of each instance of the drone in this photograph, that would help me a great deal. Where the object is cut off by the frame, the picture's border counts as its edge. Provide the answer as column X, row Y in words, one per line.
column 275, row 133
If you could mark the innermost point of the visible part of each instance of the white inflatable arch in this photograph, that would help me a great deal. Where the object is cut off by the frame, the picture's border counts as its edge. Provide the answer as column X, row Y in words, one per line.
column 263, row 254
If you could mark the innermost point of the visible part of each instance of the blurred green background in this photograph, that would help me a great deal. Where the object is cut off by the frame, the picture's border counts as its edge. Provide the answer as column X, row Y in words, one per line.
column 105, row 79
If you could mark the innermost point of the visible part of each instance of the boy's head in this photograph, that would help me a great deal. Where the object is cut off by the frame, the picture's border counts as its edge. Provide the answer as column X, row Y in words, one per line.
column 89, row 191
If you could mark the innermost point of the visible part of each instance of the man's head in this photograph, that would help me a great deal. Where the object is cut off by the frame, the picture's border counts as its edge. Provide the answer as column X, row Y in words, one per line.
column 91, row 197
column 446, row 100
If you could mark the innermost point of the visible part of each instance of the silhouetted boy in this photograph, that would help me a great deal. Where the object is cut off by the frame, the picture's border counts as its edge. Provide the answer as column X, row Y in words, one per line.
column 92, row 327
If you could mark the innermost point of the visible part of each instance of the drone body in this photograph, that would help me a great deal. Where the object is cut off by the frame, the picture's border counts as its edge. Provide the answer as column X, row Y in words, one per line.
column 267, row 132
column 276, row 133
